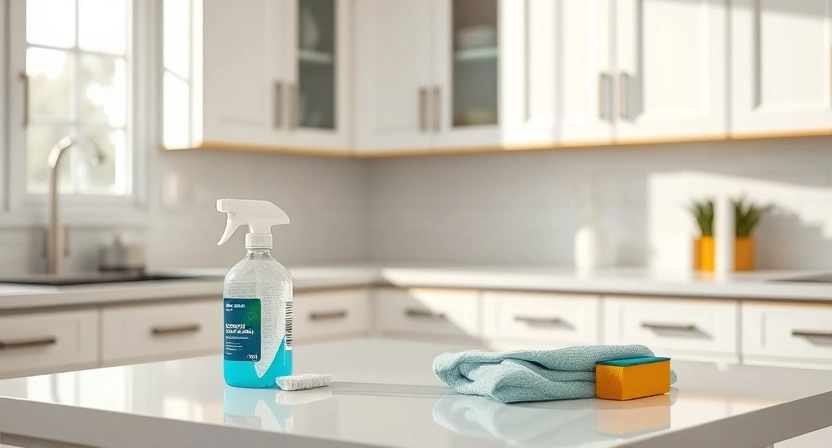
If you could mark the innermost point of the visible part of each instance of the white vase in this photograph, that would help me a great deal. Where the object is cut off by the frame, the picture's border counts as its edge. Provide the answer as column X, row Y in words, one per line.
column 589, row 248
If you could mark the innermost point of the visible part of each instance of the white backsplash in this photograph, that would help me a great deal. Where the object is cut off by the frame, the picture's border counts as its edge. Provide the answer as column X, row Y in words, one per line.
column 521, row 208
column 511, row 208
column 326, row 199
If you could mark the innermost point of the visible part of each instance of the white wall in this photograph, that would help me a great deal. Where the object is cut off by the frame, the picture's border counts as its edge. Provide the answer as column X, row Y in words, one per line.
column 521, row 207
column 326, row 199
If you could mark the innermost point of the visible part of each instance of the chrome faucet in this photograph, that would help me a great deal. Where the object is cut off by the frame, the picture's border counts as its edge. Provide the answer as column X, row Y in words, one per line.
column 55, row 244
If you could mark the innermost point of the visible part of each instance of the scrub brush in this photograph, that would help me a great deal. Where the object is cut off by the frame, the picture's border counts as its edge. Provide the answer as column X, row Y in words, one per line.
column 303, row 381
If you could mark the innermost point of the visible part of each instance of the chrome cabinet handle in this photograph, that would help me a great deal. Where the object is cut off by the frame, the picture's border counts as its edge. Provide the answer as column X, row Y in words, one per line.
column 293, row 107
column 25, row 79
column 328, row 315
column 423, row 109
column 175, row 329
column 539, row 320
column 604, row 81
column 437, row 108
column 811, row 334
column 415, row 312
column 28, row 343
column 278, row 104
column 624, row 95
column 669, row 327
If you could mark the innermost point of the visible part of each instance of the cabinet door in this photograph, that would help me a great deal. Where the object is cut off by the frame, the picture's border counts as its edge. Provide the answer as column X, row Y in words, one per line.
column 150, row 332
column 317, row 43
column 466, row 73
column 558, row 74
column 48, row 342
column 671, row 69
column 393, row 57
column 241, row 55
column 782, row 65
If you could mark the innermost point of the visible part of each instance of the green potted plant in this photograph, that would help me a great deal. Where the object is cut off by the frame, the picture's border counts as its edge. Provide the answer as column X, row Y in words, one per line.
column 704, row 247
column 746, row 218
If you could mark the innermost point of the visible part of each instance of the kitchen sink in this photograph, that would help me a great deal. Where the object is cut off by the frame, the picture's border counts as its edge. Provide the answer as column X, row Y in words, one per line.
column 93, row 278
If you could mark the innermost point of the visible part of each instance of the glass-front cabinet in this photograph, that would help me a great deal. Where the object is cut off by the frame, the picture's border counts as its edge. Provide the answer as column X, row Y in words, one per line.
column 318, row 74
column 467, row 72
column 260, row 74
column 474, row 64
column 316, row 60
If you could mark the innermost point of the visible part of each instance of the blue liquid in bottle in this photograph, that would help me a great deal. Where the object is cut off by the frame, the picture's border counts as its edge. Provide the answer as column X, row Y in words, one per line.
column 257, row 321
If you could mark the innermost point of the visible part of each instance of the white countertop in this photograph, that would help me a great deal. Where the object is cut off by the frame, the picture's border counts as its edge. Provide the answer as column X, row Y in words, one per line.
column 375, row 402
column 210, row 285
column 625, row 281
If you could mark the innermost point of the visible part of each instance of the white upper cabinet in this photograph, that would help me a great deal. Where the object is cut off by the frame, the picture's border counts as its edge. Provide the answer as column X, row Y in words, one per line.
column 256, row 74
column 671, row 69
column 318, row 74
column 558, row 71
column 393, row 77
column 241, row 72
column 782, row 66
column 419, row 76
column 466, row 73
column 428, row 74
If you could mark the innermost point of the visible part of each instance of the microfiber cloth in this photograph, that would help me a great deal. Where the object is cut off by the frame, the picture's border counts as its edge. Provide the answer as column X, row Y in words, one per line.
column 530, row 375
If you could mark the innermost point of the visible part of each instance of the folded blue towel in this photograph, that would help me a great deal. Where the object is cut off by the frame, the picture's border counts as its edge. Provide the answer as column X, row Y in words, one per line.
column 530, row 375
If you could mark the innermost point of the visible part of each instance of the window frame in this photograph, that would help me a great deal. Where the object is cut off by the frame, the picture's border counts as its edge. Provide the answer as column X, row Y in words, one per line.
column 25, row 209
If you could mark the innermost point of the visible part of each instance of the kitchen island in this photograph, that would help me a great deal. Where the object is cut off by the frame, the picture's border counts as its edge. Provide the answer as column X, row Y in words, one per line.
column 384, row 394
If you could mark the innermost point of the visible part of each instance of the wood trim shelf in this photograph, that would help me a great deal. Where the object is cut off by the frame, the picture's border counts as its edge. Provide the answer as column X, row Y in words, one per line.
column 431, row 151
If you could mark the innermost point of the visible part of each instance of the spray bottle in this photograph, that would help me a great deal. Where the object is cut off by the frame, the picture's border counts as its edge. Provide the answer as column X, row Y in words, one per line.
column 257, row 300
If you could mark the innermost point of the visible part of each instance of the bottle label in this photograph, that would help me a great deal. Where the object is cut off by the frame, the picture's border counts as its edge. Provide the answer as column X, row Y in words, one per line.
column 242, row 320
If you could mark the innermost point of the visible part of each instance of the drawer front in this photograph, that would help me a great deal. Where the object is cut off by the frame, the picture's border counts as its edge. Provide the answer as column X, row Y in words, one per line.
column 689, row 329
column 48, row 342
column 433, row 312
column 161, row 330
column 552, row 319
column 330, row 314
column 801, row 333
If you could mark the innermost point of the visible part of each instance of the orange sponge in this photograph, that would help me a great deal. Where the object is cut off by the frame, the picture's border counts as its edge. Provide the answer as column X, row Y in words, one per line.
column 626, row 379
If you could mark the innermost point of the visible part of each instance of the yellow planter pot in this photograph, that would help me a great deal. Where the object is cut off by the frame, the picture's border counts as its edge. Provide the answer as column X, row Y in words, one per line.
column 744, row 256
column 704, row 253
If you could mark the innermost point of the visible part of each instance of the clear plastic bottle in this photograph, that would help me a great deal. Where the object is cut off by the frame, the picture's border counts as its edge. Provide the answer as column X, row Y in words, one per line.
column 258, row 283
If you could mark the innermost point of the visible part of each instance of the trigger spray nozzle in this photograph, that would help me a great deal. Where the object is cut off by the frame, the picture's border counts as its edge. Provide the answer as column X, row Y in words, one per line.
column 260, row 216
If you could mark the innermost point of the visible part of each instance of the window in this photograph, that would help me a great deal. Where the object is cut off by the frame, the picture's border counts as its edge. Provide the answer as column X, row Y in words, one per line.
column 78, row 77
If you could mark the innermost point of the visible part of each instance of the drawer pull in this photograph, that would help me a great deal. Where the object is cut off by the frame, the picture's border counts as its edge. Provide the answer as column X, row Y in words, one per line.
column 175, row 329
column 690, row 328
column 811, row 334
column 414, row 312
column 328, row 315
column 539, row 320
column 28, row 343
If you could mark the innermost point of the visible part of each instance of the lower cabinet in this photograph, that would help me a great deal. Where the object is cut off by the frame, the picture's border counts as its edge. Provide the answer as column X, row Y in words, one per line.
column 33, row 343
column 521, row 320
column 751, row 332
column 426, row 312
column 691, row 329
column 787, row 334
column 330, row 314
column 147, row 332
